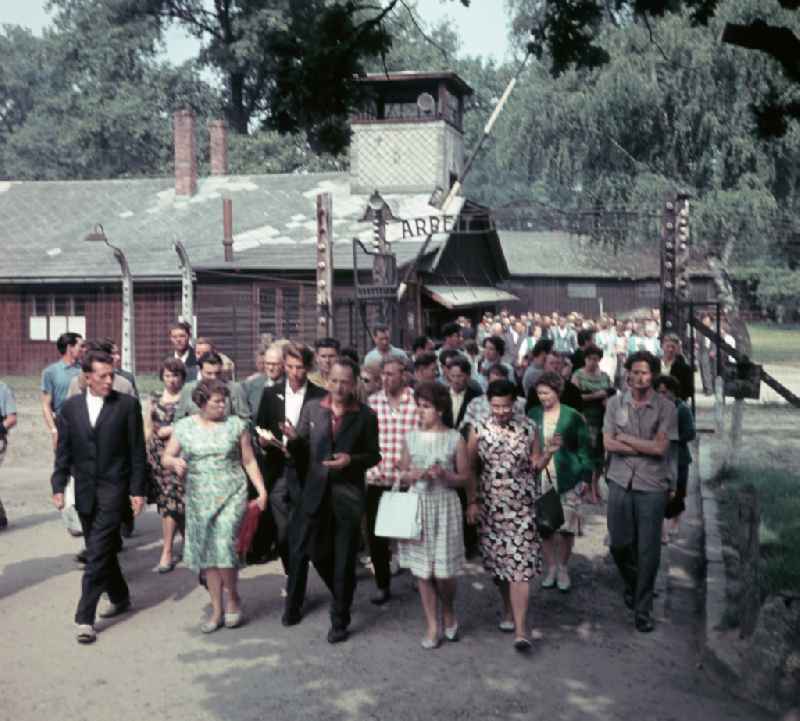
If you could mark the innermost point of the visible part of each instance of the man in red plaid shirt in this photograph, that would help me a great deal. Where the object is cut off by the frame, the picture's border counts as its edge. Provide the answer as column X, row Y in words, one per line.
column 397, row 414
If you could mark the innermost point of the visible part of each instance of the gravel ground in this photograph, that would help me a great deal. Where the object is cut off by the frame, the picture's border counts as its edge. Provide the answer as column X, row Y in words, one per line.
column 154, row 663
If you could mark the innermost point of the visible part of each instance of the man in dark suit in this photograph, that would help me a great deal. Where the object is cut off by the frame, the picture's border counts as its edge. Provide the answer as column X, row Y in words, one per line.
column 179, row 335
column 461, row 393
column 101, row 444
column 337, row 437
column 458, row 373
column 283, row 402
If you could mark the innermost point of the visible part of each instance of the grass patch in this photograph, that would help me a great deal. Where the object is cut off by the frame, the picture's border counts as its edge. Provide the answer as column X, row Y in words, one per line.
column 779, row 497
column 774, row 343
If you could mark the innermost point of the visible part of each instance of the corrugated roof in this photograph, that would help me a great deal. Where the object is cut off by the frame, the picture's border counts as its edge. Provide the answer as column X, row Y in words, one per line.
column 457, row 296
column 273, row 218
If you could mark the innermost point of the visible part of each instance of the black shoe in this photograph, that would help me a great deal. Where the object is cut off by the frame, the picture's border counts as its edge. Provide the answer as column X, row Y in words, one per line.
column 291, row 618
column 337, row 635
column 81, row 557
column 628, row 597
column 126, row 529
column 382, row 596
column 644, row 624
column 257, row 559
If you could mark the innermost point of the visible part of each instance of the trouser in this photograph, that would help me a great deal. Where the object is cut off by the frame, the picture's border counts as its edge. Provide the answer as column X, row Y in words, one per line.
column 330, row 538
column 284, row 497
column 266, row 533
column 469, row 530
column 380, row 550
column 3, row 517
column 102, row 572
column 707, row 371
column 634, row 530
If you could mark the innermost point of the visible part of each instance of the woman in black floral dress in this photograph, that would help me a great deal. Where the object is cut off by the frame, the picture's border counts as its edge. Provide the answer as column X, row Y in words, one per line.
column 168, row 489
column 501, row 502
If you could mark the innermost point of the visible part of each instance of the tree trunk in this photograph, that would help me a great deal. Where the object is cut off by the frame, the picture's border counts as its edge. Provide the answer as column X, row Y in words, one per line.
column 729, row 306
column 238, row 117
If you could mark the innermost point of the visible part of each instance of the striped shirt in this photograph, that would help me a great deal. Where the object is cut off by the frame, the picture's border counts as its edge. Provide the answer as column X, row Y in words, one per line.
column 393, row 425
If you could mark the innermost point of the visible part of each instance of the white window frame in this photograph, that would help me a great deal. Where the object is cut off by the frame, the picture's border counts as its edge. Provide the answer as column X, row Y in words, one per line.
column 49, row 326
column 584, row 291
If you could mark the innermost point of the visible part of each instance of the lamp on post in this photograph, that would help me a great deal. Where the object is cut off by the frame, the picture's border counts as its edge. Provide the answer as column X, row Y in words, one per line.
column 383, row 270
column 128, row 339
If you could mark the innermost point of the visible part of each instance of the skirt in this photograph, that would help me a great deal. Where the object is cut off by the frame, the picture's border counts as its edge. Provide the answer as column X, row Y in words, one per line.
column 440, row 551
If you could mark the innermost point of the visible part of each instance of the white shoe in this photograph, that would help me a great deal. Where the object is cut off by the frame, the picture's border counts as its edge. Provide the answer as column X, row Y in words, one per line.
column 562, row 582
column 85, row 633
column 550, row 579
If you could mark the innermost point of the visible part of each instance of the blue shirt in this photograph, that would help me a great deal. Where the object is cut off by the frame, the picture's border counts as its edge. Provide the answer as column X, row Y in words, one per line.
column 8, row 405
column 375, row 357
column 55, row 381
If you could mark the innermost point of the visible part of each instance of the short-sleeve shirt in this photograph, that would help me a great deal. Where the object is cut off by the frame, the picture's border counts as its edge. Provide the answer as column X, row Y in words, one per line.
column 55, row 381
column 641, row 472
column 375, row 357
column 8, row 405
column 393, row 426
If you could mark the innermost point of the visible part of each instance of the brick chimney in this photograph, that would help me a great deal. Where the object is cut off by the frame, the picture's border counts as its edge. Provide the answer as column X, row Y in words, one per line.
column 218, row 144
column 185, row 153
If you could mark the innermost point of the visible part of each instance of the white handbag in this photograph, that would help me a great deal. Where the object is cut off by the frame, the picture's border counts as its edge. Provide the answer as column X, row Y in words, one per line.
column 399, row 515
column 69, row 514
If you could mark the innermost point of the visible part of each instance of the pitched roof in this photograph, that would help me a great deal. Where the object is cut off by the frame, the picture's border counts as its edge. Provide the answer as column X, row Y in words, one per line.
column 44, row 224
column 559, row 254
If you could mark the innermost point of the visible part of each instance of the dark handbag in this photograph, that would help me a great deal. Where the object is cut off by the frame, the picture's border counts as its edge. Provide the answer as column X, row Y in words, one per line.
column 549, row 515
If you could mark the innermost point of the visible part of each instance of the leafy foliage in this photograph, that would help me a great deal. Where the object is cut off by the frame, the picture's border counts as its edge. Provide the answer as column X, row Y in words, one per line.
column 92, row 109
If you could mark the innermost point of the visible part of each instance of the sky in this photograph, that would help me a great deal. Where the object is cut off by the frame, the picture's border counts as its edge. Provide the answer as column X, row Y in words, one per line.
column 482, row 26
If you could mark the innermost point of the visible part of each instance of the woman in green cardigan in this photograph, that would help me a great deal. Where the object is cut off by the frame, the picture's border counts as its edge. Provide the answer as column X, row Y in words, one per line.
column 561, row 450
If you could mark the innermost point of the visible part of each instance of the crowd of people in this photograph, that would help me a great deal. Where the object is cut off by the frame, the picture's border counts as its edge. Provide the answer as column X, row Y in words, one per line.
column 294, row 461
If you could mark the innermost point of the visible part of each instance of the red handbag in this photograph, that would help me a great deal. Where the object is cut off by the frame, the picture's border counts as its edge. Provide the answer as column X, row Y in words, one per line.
column 247, row 530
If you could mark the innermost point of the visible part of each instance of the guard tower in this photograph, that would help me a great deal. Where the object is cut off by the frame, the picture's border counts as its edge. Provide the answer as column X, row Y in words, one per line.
column 408, row 136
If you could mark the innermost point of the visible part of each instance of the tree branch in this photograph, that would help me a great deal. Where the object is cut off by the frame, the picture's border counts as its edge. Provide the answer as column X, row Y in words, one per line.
column 653, row 37
column 422, row 32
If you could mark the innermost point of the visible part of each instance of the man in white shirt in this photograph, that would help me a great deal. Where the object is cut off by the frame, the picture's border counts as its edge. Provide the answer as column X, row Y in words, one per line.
column 281, row 402
column 254, row 386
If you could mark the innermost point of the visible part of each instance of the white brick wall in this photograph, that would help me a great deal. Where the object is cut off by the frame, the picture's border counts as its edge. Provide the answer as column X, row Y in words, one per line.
column 404, row 157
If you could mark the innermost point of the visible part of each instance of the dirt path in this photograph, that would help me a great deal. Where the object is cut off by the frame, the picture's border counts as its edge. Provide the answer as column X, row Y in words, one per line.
column 154, row 664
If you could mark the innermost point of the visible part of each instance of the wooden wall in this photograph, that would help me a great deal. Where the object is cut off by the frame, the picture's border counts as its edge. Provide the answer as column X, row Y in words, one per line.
column 156, row 306
column 545, row 295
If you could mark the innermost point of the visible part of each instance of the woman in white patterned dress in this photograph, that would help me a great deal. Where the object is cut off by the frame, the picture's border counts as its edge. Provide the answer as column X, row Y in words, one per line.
column 434, row 462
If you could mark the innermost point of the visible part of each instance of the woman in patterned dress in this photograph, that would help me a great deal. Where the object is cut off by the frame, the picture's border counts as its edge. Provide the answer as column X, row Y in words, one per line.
column 213, row 452
column 502, row 504
column 434, row 462
column 561, row 453
column 168, row 489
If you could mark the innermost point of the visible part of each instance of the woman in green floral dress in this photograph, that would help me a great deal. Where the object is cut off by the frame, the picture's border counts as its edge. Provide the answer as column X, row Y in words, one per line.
column 213, row 452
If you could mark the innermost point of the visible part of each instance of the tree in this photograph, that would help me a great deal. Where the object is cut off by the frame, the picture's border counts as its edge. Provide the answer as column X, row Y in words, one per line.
column 285, row 65
column 570, row 33
column 98, row 109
